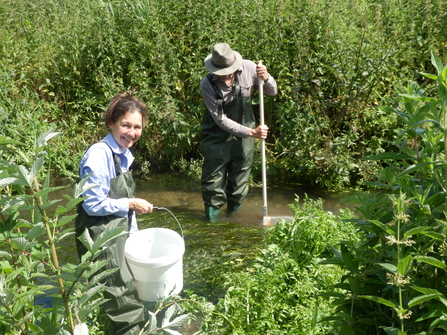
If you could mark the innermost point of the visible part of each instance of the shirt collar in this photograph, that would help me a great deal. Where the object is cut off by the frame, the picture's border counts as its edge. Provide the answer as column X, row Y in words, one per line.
column 114, row 146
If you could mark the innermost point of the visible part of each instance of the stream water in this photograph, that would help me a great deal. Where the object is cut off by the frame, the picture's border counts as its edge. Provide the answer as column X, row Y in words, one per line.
column 213, row 248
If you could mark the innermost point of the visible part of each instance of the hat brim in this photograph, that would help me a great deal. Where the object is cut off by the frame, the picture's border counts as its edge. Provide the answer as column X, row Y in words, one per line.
column 223, row 71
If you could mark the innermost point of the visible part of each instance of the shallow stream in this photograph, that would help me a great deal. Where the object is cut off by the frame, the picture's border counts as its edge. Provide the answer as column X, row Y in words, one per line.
column 214, row 248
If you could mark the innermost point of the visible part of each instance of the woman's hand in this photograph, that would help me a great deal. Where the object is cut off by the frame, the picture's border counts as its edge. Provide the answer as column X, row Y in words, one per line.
column 140, row 206
column 260, row 132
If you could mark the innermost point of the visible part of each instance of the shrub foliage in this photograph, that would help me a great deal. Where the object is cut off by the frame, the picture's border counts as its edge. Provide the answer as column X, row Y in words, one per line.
column 62, row 61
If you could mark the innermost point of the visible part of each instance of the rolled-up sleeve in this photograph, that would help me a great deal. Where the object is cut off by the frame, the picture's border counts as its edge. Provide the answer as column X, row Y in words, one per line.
column 270, row 87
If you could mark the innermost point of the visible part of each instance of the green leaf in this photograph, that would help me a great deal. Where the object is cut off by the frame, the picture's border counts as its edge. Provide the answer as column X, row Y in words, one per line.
column 404, row 265
column 348, row 259
column 71, row 204
column 85, row 299
column 418, row 97
column 37, row 231
column 393, row 331
column 389, row 267
column 385, row 228
column 421, row 130
column 66, row 219
column 415, row 231
column 106, row 236
column 100, row 276
column 177, row 322
column 379, row 300
column 86, row 240
column 44, row 138
column 37, row 165
column 429, row 75
column 435, row 235
column 4, row 140
column 414, row 167
column 423, row 298
column 346, row 330
column 86, row 310
column 81, row 187
column 22, row 244
column 12, row 181
column 390, row 155
column 437, row 63
column 23, row 172
column 431, row 261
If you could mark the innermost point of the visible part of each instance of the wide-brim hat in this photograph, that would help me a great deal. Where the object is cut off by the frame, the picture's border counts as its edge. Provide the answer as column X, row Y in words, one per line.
column 223, row 60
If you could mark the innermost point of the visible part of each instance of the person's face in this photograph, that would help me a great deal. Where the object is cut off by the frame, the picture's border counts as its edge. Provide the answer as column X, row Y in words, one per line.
column 127, row 130
column 226, row 77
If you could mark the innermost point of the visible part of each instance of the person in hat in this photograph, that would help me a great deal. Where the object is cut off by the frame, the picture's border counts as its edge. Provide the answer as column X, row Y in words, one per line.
column 228, row 127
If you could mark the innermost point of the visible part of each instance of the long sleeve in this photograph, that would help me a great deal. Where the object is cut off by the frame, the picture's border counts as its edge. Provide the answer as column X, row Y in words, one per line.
column 98, row 160
column 247, row 80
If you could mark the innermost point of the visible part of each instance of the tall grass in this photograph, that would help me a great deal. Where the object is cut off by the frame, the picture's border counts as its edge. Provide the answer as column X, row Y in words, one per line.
column 333, row 62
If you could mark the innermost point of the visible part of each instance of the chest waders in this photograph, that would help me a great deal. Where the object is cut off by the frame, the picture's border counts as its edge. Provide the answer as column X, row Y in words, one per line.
column 227, row 159
column 123, row 308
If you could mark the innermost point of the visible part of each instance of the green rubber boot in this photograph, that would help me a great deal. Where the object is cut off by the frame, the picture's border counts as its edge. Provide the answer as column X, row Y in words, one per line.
column 211, row 213
column 232, row 209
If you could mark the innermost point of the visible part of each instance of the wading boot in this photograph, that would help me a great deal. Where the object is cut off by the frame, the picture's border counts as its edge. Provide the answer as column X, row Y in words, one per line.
column 231, row 209
column 211, row 213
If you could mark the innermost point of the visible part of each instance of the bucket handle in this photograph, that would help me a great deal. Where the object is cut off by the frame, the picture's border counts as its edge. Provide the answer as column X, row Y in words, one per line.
column 163, row 208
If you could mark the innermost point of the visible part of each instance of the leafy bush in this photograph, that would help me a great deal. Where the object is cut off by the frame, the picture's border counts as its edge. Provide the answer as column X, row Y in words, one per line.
column 38, row 293
column 281, row 292
column 333, row 62
column 396, row 279
column 29, row 237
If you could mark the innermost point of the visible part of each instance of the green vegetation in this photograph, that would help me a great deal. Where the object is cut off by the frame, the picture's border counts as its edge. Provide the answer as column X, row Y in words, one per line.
column 281, row 292
column 38, row 293
column 396, row 277
column 29, row 255
column 335, row 123
column 62, row 61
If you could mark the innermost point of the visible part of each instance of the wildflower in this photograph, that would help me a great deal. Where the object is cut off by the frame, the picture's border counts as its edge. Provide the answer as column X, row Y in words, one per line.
column 397, row 279
column 407, row 315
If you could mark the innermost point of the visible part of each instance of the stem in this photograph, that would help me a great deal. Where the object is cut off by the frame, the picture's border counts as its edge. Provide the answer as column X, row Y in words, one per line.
column 445, row 164
column 54, row 256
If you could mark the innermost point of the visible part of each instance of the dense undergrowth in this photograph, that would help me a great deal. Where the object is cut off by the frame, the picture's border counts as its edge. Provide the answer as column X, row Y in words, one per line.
column 337, row 65
column 391, row 253
column 387, row 275
column 62, row 61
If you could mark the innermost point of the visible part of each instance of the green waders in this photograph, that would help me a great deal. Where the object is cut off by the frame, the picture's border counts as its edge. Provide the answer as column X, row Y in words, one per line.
column 124, row 309
column 228, row 159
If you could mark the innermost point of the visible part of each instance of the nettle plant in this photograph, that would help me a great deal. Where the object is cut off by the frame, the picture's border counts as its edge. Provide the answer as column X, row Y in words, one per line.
column 32, row 227
column 396, row 277
column 29, row 234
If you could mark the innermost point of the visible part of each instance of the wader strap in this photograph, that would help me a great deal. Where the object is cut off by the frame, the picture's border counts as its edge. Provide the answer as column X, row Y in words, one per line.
column 116, row 160
column 218, row 94
column 237, row 86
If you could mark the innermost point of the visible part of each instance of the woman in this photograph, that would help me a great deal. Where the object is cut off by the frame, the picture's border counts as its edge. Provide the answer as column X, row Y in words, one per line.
column 112, row 204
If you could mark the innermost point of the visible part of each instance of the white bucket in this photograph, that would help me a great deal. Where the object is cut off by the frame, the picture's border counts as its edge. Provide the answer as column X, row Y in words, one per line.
column 155, row 257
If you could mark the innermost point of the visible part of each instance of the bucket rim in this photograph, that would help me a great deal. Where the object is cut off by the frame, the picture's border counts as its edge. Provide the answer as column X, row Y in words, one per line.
column 157, row 261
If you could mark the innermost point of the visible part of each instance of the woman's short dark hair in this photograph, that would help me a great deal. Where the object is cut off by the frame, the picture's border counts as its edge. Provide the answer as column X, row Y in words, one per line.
column 123, row 103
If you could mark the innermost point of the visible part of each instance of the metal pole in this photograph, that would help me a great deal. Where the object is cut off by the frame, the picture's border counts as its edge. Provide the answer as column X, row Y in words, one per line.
column 264, row 174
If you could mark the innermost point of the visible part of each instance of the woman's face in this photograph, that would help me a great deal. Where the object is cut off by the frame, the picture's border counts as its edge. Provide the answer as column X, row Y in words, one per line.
column 127, row 130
